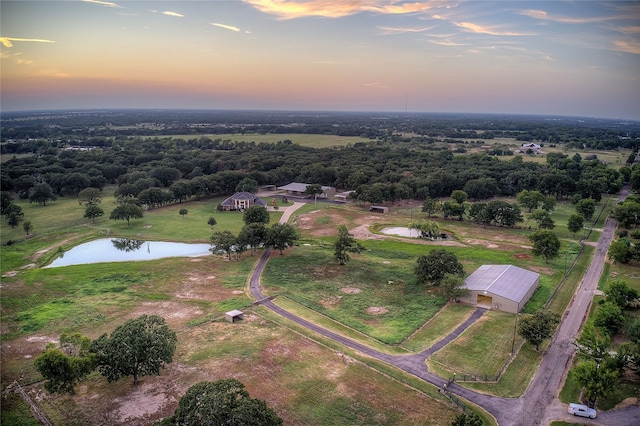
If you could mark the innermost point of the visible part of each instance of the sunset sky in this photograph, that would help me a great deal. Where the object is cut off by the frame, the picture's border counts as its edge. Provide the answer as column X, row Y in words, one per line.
column 527, row 57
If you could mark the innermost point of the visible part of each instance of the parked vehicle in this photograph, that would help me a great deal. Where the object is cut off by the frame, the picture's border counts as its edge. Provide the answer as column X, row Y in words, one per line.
column 582, row 411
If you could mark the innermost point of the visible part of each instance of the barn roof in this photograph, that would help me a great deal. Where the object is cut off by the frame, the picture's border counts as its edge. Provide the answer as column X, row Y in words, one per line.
column 299, row 187
column 507, row 281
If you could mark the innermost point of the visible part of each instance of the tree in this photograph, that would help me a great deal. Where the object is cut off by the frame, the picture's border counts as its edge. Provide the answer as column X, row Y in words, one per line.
column 575, row 223
column 248, row 185
column 6, row 200
column 430, row 206
column 90, row 196
column 42, row 193
column 127, row 211
column 166, row 175
column 224, row 242
column 592, row 344
column 433, row 267
column 256, row 214
column 467, row 420
column 586, row 207
column 13, row 219
column 620, row 251
column 345, row 244
column 180, row 191
column 428, row 229
column 27, row 227
column 314, row 189
column 63, row 367
column 453, row 287
column 598, row 380
column 530, row 199
column 538, row 327
column 543, row 219
column 281, row 235
column 609, row 317
column 212, row 222
column 139, row 347
column 451, row 208
column 225, row 402
column 620, row 293
column 92, row 211
column 459, row 196
column 183, row 212
column 545, row 244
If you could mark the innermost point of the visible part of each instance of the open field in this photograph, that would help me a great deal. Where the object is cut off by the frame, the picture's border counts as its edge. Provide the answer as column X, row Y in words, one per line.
column 310, row 140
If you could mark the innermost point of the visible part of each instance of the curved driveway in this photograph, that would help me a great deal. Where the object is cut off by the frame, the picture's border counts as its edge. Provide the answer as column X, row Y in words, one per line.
column 538, row 405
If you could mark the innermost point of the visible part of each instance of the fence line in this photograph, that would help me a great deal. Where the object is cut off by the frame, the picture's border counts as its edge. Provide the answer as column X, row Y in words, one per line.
column 37, row 413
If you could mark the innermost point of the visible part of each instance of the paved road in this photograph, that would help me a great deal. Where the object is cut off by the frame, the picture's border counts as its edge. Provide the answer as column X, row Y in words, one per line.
column 539, row 404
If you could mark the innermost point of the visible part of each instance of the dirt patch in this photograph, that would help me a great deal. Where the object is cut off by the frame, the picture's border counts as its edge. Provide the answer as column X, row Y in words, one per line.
column 350, row 290
column 377, row 310
column 540, row 269
column 522, row 256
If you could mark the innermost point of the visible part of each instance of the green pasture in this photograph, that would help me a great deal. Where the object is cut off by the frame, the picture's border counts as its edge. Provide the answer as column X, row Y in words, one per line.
column 310, row 140
column 165, row 223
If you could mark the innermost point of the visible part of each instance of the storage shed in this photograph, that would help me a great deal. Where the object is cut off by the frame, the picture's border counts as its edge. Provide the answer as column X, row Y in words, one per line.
column 234, row 315
column 502, row 287
column 379, row 209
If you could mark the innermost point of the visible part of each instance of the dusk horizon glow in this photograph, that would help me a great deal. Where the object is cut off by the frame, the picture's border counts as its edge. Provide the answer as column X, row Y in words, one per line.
column 578, row 58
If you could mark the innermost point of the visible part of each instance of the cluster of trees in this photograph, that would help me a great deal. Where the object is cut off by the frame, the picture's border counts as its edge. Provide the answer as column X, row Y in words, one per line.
column 139, row 347
column 378, row 171
column 599, row 368
column 254, row 234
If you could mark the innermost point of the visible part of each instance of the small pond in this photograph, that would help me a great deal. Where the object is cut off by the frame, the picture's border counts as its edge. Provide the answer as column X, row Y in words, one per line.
column 401, row 231
column 127, row 250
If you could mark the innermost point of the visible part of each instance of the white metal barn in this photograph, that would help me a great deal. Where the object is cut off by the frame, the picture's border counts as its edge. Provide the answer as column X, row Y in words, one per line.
column 501, row 287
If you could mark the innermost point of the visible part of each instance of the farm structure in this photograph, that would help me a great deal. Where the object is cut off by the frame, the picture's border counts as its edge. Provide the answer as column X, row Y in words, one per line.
column 234, row 315
column 501, row 287
column 241, row 201
column 298, row 189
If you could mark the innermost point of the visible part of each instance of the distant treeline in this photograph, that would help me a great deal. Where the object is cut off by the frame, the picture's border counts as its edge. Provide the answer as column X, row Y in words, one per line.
column 380, row 170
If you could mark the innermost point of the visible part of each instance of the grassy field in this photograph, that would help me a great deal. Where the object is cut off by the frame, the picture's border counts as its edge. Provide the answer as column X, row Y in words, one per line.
column 373, row 299
column 310, row 140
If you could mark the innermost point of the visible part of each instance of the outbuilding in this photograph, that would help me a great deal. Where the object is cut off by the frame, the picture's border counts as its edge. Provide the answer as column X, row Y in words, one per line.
column 234, row 315
column 501, row 287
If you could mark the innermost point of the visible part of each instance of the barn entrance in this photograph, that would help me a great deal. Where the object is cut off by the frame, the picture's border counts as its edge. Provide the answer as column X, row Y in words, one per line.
column 484, row 301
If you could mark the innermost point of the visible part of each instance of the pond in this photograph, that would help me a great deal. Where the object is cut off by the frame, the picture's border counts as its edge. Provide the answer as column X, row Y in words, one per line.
column 127, row 250
column 401, row 231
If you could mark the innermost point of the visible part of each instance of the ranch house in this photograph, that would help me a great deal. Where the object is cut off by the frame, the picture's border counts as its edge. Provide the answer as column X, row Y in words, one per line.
column 241, row 201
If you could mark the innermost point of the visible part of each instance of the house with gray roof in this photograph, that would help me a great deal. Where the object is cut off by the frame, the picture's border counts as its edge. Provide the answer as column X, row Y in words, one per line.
column 241, row 201
column 501, row 287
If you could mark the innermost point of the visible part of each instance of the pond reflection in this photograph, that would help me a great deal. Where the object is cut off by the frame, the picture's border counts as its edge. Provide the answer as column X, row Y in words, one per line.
column 127, row 244
column 126, row 250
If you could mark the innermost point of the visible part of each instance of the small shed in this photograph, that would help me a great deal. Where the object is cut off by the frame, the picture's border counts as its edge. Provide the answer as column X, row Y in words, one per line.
column 502, row 287
column 379, row 209
column 234, row 315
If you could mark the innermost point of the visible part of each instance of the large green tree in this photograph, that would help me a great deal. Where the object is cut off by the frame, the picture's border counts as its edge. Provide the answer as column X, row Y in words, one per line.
column 92, row 211
column 530, row 199
column 65, row 365
column 344, row 245
column 139, row 347
column 225, row 402
column 90, row 196
column 433, row 267
column 586, row 207
column 597, row 380
column 538, row 327
column 223, row 241
column 545, row 244
column 41, row 193
column 575, row 223
column 256, row 214
column 281, row 235
column 128, row 208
